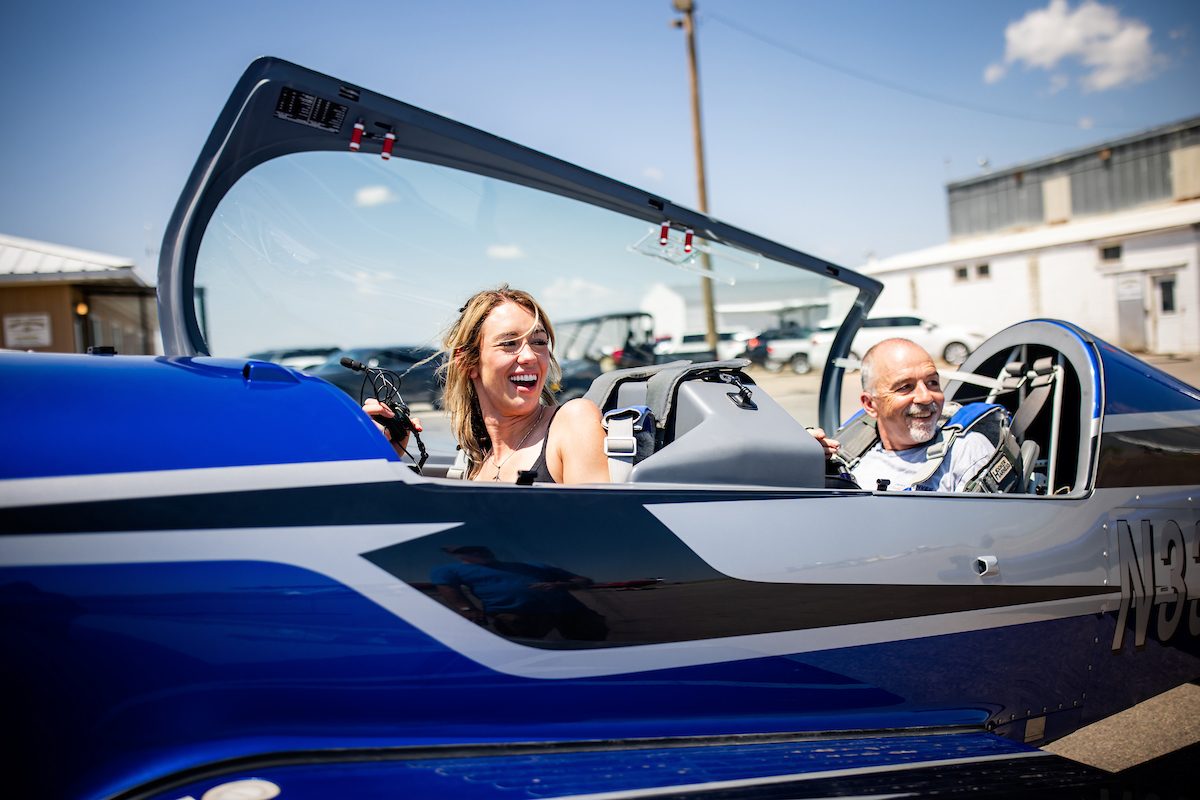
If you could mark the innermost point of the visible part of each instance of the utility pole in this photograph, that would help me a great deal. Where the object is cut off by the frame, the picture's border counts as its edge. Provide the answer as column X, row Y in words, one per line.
column 688, row 22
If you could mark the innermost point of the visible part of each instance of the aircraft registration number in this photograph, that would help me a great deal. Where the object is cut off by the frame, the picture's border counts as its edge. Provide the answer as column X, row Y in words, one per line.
column 1157, row 561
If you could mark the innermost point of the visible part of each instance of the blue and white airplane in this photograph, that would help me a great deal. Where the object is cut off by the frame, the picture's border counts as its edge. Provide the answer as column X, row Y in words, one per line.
column 218, row 580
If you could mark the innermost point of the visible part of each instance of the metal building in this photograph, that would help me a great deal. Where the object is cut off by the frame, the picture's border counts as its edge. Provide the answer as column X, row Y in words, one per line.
column 1106, row 236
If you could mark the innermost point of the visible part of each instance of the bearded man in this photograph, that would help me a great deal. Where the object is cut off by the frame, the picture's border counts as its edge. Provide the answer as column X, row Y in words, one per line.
column 903, row 393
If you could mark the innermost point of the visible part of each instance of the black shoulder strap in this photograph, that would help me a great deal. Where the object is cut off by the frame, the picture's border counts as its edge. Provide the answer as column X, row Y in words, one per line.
column 603, row 389
column 856, row 437
column 660, row 388
column 860, row 433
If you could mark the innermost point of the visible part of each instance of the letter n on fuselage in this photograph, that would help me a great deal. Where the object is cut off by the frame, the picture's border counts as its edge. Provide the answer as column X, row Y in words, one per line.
column 1137, row 581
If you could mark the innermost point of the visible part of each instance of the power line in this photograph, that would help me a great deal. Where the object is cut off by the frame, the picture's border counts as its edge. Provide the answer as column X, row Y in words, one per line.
column 885, row 83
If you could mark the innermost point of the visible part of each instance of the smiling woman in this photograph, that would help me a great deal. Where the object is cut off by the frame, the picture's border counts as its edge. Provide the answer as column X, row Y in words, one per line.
column 499, row 370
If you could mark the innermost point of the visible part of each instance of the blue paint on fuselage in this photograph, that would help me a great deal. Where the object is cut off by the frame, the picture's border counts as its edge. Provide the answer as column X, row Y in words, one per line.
column 83, row 415
column 1131, row 386
column 192, row 663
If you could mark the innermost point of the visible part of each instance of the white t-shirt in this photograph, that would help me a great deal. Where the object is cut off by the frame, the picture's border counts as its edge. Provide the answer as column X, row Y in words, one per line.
column 968, row 455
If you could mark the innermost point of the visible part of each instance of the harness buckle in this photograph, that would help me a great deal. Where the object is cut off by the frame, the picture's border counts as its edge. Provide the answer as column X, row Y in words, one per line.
column 622, row 446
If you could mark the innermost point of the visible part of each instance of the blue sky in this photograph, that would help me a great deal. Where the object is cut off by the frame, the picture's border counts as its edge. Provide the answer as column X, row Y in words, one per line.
column 830, row 126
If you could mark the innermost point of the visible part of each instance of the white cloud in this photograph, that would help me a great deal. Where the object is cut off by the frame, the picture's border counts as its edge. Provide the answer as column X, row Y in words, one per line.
column 505, row 252
column 1086, row 123
column 575, row 297
column 653, row 173
column 369, row 196
column 1114, row 50
column 1058, row 82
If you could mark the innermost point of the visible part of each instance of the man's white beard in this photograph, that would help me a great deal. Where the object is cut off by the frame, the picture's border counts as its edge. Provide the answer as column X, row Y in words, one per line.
column 922, row 430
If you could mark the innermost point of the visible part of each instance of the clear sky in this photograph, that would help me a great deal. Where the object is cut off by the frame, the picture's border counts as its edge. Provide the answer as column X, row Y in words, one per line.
column 831, row 126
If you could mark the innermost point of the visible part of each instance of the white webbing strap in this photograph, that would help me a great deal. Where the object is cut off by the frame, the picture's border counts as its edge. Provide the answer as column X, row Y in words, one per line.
column 621, row 442
column 995, row 384
column 461, row 466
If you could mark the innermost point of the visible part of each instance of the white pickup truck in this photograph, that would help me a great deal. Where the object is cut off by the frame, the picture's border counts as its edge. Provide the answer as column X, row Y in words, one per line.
column 951, row 343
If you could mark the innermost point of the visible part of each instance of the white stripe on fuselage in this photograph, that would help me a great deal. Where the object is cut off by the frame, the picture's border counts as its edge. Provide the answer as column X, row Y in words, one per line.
column 207, row 480
column 334, row 551
column 1118, row 423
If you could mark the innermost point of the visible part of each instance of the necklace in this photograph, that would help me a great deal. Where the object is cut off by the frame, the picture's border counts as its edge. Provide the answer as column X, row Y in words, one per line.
column 520, row 444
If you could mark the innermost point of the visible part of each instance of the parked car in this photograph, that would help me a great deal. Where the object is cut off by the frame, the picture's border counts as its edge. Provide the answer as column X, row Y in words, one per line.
column 421, row 385
column 775, row 348
column 302, row 358
column 694, row 346
column 952, row 343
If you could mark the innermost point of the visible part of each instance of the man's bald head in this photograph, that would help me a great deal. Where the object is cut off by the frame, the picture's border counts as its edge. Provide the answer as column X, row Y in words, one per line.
column 889, row 350
column 902, row 391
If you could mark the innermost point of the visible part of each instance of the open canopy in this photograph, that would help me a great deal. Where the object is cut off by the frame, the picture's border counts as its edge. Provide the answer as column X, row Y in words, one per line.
column 322, row 213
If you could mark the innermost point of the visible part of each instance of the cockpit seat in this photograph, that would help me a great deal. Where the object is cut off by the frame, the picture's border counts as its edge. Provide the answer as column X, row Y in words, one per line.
column 1055, row 396
column 712, row 425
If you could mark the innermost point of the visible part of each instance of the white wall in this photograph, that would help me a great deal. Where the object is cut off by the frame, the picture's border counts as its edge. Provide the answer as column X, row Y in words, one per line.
column 1072, row 289
column 1176, row 252
column 1067, row 282
column 668, row 309
column 985, row 305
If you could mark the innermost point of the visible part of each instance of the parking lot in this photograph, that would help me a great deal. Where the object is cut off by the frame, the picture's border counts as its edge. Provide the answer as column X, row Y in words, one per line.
column 798, row 393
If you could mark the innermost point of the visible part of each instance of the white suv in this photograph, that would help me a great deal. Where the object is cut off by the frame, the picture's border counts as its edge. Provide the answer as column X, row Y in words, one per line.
column 951, row 343
column 694, row 346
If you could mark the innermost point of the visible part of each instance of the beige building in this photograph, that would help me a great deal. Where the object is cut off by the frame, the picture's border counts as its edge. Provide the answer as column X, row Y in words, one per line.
column 58, row 299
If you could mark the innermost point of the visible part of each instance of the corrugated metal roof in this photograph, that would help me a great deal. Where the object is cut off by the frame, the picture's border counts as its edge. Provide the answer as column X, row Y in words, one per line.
column 1079, row 152
column 1098, row 228
column 27, row 259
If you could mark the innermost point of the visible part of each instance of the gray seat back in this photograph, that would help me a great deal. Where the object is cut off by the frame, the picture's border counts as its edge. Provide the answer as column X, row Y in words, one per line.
column 713, row 426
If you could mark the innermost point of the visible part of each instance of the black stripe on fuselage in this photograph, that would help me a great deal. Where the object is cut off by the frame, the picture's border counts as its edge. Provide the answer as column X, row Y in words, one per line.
column 1153, row 457
column 391, row 502
column 648, row 586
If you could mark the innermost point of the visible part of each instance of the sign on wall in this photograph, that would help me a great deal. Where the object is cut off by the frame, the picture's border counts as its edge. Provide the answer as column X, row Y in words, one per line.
column 22, row 331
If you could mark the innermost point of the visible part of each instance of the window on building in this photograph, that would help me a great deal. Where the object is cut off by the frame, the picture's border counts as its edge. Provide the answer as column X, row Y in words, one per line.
column 1110, row 253
column 1166, row 289
column 961, row 273
column 983, row 270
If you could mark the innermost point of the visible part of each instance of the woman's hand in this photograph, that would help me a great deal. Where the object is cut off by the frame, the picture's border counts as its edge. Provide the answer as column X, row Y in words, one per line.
column 374, row 409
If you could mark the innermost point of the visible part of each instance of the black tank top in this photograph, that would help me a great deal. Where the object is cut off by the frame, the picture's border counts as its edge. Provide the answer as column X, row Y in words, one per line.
column 541, row 473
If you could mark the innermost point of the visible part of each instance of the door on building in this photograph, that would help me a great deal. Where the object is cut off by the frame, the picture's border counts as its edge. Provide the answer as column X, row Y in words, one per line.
column 1131, row 312
column 1166, row 316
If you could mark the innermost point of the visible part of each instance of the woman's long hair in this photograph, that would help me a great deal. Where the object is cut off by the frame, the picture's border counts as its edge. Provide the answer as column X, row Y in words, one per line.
column 462, row 348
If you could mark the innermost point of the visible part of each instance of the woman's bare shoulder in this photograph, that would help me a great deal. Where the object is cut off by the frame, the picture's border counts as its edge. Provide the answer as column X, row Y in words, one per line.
column 579, row 411
column 577, row 444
